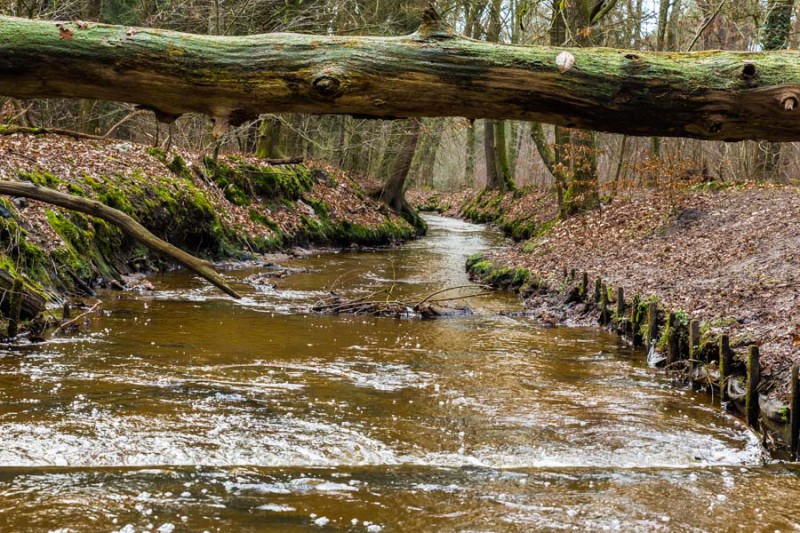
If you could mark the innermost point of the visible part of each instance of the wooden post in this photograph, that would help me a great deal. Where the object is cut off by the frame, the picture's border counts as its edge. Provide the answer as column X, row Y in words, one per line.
column 597, row 285
column 604, row 305
column 652, row 323
column 636, row 322
column 15, row 308
column 752, row 407
column 564, row 272
column 572, row 275
column 66, row 312
column 620, row 302
column 672, row 340
column 794, row 413
column 694, row 338
column 725, row 363
column 585, row 286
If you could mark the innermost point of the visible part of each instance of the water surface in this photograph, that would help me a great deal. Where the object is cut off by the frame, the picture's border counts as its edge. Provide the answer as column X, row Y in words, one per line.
column 182, row 410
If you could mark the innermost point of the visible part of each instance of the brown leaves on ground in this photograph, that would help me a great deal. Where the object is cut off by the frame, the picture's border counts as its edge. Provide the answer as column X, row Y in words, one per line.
column 731, row 258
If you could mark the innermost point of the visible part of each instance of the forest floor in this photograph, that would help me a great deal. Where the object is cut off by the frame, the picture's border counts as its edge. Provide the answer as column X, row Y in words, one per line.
column 234, row 208
column 730, row 258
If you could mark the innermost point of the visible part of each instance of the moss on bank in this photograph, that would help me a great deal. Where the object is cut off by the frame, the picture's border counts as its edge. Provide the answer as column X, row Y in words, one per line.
column 521, row 214
column 231, row 207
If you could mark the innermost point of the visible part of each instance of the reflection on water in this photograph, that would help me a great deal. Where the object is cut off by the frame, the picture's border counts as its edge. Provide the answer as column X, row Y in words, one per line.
column 183, row 410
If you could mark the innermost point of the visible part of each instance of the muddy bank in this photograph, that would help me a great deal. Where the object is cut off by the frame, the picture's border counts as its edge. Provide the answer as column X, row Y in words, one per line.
column 726, row 258
column 234, row 208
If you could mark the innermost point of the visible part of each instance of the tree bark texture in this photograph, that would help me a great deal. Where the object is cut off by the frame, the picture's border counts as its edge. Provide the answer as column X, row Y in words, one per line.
column 433, row 72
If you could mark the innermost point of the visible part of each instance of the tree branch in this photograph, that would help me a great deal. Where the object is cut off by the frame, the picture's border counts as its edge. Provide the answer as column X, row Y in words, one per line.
column 119, row 219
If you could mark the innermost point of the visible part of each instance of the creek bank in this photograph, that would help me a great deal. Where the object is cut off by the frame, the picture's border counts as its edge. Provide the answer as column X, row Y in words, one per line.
column 236, row 207
column 726, row 258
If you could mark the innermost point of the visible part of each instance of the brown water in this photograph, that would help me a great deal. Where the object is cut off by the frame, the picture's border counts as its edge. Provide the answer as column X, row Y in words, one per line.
column 181, row 410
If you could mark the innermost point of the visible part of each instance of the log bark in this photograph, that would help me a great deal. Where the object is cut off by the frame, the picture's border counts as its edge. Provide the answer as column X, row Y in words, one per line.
column 119, row 219
column 434, row 72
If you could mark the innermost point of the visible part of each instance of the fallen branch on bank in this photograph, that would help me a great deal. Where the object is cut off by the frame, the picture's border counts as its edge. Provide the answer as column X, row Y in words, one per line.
column 125, row 223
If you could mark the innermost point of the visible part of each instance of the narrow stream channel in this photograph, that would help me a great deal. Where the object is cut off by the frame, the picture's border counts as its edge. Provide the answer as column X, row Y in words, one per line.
column 183, row 411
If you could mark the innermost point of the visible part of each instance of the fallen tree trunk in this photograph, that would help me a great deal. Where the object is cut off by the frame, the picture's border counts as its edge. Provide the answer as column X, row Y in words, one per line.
column 433, row 72
column 119, row 219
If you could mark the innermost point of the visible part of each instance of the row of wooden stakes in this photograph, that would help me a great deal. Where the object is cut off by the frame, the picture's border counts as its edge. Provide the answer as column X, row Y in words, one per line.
column 630, row 324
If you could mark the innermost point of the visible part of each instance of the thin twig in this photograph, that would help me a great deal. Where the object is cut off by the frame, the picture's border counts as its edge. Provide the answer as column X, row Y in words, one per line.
column 472, row 286
column 77, row 318
column 706, row 25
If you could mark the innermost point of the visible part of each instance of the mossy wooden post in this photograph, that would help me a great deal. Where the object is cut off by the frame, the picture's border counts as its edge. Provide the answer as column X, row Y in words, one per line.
column 620, row 302
column 725, row 363
column 15, row 307
column 604, row 305
column 636, row 321
column 794, row 412
column 752, row 407
column 672, row 339
column 652, row 323
column 585, row 286
column 597, row 286
column 694, row 338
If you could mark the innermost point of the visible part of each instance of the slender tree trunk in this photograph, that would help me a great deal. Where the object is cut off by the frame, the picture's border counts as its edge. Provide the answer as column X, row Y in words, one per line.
column 469, row 166
column 492, row 177
column 776, row 34
column 505, row 181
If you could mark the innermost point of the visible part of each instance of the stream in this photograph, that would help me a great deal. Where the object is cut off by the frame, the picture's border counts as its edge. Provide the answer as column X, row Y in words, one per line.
column 183, row 410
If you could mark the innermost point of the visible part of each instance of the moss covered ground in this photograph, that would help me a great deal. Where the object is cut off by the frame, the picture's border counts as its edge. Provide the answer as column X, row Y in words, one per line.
column 233, row 207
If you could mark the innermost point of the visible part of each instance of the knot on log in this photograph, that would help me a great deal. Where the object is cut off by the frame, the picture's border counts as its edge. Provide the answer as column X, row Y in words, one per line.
column 788, row 102
column 327, row 85
column 749, row 71
column 715, row 124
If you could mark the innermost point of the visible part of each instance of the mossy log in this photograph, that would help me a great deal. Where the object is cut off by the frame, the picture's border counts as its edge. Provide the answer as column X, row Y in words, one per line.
column 433, row 72
column 119, row 219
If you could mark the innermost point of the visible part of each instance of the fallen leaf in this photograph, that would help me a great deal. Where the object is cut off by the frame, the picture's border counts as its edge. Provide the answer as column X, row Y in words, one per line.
column 65, row 33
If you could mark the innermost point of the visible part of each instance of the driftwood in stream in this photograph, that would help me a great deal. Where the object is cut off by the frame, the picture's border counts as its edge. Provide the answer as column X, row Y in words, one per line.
column 32, row 303
column 119, row 219
column 720, row 95
column 427, row 308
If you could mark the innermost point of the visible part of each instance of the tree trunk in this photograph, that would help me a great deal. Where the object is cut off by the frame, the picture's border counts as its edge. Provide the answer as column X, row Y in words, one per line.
column 469, row 165
column 492, row 179
column 268, row 144
column 777, row 31
column 433, row 72
column 393, row 192
column 505, row 181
